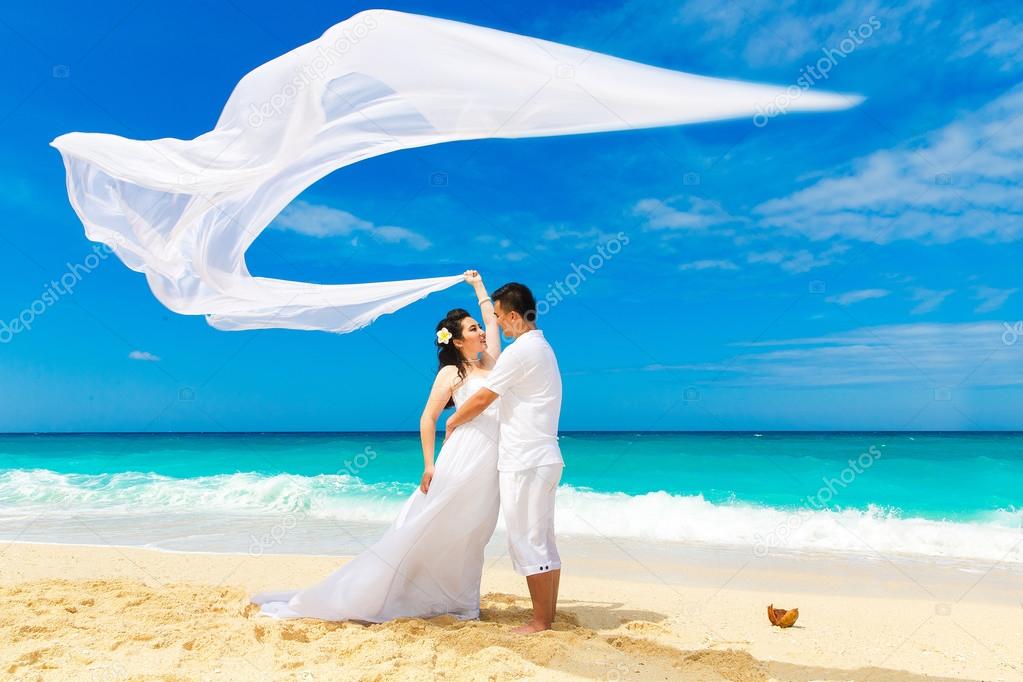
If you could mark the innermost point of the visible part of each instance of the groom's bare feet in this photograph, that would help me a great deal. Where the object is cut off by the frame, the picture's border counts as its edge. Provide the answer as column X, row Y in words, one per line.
column 543, row 590
column 531, row 627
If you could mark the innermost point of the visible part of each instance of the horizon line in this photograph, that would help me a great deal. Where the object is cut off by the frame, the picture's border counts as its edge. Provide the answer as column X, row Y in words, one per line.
column 566, row 432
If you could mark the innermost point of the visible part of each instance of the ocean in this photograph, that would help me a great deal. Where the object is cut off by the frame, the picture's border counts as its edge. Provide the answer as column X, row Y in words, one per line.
column 956, row 496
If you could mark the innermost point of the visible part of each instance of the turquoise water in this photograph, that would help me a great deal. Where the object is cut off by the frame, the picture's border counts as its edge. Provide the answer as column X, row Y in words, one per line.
column 953, row 495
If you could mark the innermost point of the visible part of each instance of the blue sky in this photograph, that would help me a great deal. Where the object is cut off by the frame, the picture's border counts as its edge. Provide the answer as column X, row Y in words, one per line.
column 849, row 270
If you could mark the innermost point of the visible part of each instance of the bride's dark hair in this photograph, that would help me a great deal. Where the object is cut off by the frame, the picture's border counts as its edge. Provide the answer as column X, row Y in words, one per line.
column 448, row 353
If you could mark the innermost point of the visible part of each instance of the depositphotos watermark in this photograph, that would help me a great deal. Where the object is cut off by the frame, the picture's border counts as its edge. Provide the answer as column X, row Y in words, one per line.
column 314, row 69
column 57, row 289
column 353, row 466
column 819, row 501
column 811, row 74
column 1012, row 333
column 563, row 288
column 275, row 536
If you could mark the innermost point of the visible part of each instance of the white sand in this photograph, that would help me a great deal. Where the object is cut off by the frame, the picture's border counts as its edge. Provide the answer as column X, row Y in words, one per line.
column 103, row 613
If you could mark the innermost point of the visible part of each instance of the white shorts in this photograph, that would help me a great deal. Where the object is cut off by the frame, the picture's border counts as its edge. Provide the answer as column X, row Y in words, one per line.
column 527, row 501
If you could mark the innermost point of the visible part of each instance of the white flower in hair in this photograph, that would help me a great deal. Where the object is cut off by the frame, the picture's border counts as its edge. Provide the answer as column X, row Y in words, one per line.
column 443, row 335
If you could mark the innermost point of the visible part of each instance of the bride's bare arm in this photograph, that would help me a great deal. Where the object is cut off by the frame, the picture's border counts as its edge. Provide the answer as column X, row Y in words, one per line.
column 440, row 394
column 474, row 278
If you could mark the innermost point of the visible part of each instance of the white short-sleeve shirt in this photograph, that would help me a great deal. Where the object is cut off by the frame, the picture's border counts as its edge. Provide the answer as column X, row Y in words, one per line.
column 527, row 378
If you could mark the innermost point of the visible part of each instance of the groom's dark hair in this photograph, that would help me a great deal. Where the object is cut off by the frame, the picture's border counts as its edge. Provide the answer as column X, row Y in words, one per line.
column 517, row 297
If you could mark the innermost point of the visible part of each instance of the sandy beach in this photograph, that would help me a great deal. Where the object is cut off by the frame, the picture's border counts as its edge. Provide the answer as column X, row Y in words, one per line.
column 110, row 613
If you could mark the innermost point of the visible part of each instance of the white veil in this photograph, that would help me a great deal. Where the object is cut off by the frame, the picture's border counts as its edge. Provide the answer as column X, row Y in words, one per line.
column 183, row 212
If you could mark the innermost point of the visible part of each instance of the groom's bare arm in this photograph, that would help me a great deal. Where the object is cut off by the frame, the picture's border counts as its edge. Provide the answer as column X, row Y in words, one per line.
column 470, row 409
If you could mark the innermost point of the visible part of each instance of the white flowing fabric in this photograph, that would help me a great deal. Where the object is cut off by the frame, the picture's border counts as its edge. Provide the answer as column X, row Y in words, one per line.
column 430, row 561
column 183, row 212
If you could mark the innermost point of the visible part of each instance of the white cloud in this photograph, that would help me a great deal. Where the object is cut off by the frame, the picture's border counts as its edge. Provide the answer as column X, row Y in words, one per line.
column 759, row 32
column 143, row 355
column 800, row 260
column 927, row 356
column 1002, row 41
column 991, row 299
column 393, row 235
column 568, row 236
column 938, row 355
column 709, row 264
column 501, row 248
column 858, row 296
column 687, row 213
column 317, row 220
column 558, row 232
column 928, row 300
column 958, row 182
column 658, row 367
column 782, row 37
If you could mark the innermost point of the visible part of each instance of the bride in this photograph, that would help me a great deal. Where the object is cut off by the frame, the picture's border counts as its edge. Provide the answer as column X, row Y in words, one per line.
column 430, row 561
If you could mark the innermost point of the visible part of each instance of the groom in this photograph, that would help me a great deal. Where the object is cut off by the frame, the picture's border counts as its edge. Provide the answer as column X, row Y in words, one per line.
column 529, row 464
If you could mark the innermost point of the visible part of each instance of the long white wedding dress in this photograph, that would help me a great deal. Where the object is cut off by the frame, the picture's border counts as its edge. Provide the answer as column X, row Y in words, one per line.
column 430, row 561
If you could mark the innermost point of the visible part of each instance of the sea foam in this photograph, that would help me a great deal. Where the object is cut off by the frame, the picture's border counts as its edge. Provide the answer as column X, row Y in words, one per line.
column 656, row 517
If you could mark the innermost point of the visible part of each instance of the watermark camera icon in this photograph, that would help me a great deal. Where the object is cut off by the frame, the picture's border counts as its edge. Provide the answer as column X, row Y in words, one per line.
column 1012, row 333
column 692, row 609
